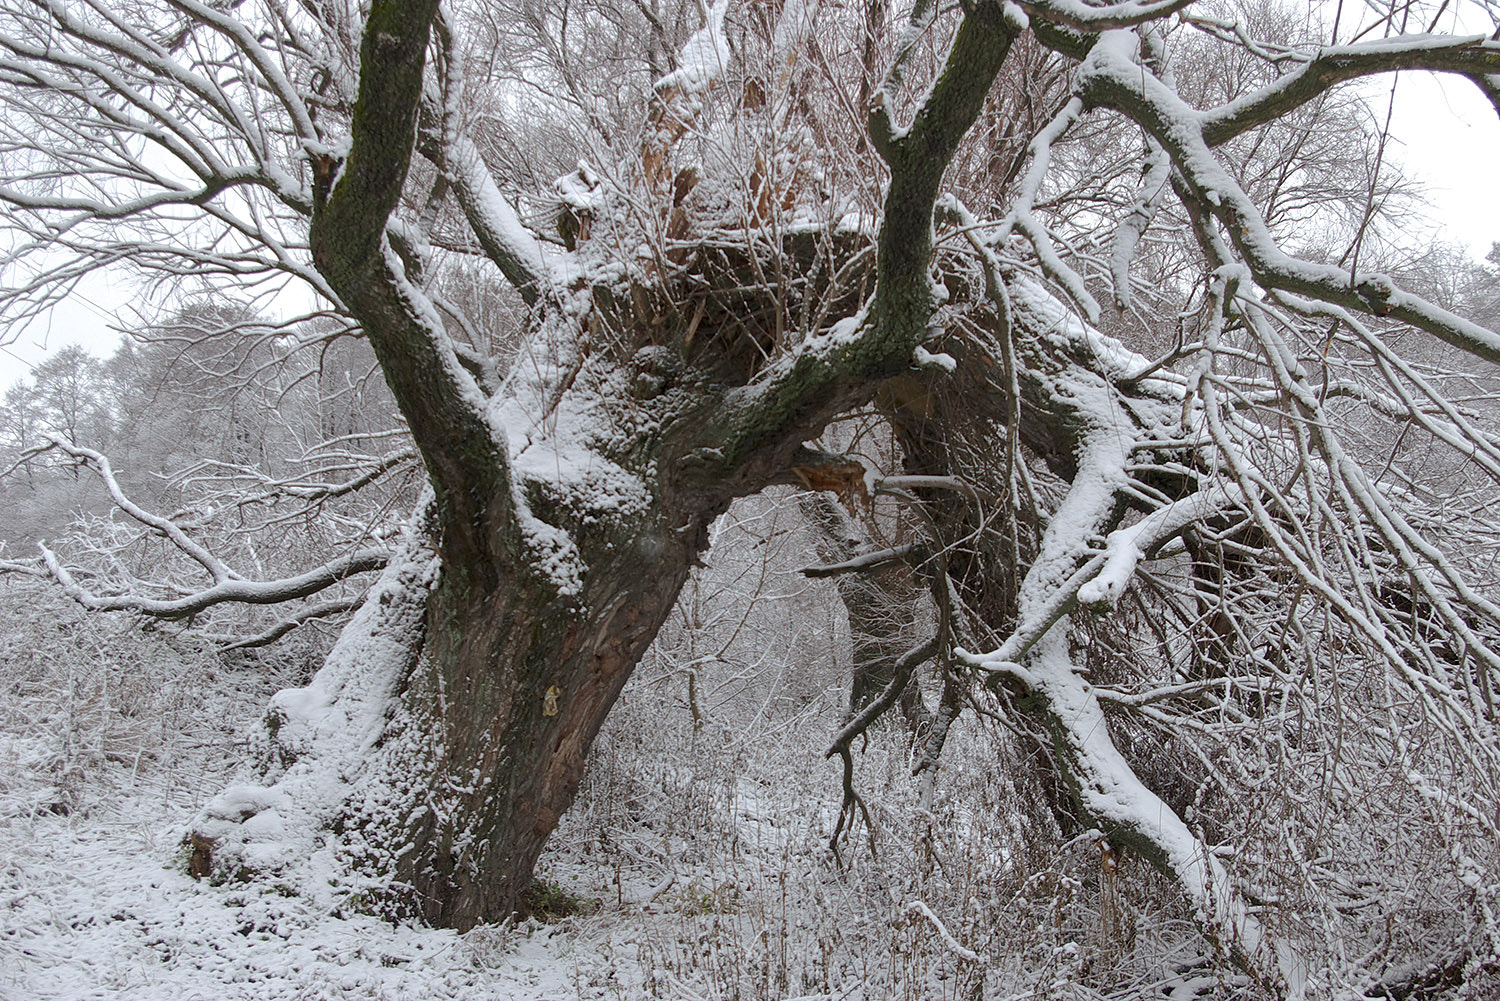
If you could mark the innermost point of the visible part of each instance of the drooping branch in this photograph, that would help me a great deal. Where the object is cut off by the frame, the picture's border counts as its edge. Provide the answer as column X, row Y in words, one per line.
column 879, row 597
column 1155, row 183
column 1472, row 56
column 164, row 527
column 1112, row 76
column 1021, row 218
column 1104, row 784
column 302, row 616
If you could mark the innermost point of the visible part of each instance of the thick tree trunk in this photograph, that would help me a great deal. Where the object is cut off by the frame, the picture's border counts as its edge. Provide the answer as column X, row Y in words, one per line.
column 432, row 756
column 434, row 753
column 488, row 748
column 492, row 737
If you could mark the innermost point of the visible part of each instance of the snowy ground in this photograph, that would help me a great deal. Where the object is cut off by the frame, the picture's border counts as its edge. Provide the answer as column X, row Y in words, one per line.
column 700, row 857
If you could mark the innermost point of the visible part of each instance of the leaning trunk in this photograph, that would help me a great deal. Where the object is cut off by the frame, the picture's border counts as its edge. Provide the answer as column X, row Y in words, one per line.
column 488, row 748
column 434, row 753
column 431, row 757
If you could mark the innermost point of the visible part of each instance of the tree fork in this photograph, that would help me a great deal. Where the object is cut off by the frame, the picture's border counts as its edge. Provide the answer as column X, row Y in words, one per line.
column 474, row 683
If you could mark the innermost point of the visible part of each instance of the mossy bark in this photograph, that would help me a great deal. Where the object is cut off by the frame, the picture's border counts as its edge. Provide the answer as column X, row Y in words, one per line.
column 492, row 729
column 472, row 747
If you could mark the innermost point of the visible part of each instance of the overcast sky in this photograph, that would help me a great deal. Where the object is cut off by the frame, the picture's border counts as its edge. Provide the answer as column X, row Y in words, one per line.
column 1450, row 138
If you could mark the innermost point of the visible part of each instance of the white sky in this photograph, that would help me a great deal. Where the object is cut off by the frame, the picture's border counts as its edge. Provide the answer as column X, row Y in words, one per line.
column 1446, row 135
column 1450, row 138
column 84, row 319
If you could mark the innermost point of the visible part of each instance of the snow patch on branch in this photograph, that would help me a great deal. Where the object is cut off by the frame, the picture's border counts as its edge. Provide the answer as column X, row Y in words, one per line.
column 1049, row 318
column 702, row 60
column 938, row 361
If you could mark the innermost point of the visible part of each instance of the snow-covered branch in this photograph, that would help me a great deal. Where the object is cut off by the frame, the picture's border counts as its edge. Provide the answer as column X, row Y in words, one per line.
column 227, row 585
column 1102, row 16
column 1471, row 56
column 166, row 528
column 1113, row 76
column 237, row 590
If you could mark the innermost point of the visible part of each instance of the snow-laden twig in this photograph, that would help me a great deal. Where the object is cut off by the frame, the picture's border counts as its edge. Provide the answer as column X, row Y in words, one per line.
column 954, row 946
column 169, row 530
column 506, row 241
column 1022, row 218
column 236, row 590
column 1153, row 188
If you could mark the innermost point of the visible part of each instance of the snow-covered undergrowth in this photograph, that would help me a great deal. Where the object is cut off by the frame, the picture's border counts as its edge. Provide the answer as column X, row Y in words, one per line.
column 696, row 856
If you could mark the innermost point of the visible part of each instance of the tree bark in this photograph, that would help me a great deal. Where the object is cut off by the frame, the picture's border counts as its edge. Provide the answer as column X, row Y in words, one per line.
column 493, row 727
column 881, row 604
column 434, row 753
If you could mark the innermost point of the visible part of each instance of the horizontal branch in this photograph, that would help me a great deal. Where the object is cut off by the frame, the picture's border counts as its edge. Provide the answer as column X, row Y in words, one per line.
column 1472, row 56
column 246, row 592
column 24, row 568
column 914, row 482
column 864, row 563
column 303, row 616
column 1091, row 17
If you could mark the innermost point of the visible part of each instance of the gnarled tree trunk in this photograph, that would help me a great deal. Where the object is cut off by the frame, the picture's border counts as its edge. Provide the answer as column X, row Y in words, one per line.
column 433, row 755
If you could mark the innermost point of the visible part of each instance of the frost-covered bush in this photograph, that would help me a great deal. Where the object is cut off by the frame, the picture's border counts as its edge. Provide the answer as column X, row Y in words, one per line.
column 92, row 703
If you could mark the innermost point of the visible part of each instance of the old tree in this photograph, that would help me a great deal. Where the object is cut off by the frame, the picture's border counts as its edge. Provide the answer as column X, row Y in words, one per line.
column 1235, row 515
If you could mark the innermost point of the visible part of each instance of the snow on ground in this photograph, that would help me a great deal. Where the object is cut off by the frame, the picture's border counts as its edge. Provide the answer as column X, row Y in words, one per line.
column 697, row 858
column 97, row 904
column 111, row 741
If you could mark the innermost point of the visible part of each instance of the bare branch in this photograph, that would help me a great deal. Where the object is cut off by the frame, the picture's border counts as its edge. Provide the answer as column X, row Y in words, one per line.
column 236, row 590
column 865, row 562
column 322, row 610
